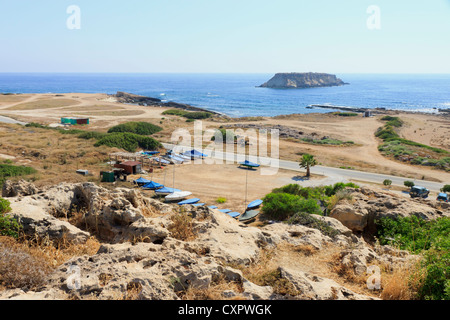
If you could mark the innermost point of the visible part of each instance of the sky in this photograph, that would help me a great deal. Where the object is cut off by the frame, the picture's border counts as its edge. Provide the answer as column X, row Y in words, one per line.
column 217, row 36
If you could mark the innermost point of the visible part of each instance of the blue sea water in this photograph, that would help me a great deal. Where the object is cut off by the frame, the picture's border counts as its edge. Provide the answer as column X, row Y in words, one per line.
column 238, row 95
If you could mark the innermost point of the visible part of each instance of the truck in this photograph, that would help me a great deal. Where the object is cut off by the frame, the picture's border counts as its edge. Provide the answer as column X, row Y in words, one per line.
column 419, row 192
column 442, row 197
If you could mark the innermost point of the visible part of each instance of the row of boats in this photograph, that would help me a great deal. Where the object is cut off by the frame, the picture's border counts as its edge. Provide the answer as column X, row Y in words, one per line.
column 173, row 195
column 173, row 158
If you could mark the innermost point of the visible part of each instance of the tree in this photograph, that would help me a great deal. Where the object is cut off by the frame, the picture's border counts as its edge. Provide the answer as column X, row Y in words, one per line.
column 409, row 184
column 307, row 162
column 387, row 182
column 446, row 188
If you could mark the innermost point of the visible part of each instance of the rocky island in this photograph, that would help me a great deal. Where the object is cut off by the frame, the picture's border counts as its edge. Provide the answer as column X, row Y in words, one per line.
column 302, row 80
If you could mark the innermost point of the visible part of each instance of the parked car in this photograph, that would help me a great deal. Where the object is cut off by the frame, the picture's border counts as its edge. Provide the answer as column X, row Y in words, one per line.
column 442, row 197
column 419, row 192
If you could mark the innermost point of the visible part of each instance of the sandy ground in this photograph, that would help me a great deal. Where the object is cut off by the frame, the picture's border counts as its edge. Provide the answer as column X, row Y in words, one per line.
column 208, row 182
column 104, row 112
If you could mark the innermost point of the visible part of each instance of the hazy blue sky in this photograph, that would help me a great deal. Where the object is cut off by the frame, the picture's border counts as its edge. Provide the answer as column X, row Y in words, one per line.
column 250, row 36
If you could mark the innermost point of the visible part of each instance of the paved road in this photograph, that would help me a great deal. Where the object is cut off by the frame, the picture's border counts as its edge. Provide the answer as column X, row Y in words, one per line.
column 9, row 120
column 332, row 175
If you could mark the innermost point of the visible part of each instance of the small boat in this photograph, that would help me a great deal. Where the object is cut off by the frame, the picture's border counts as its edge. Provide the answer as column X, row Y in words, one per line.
column 225, row 210
column 152, row 185
column 166, row 191
column 234, row 214
column 212, row 207
column 161, row 161
column 171, row 160
column 178, row 195
column 249, row 164
column 141, row 181
column 199, row 204
column 194, row 154
column 248, row 215
column 150, row 153
column 182, row 156
column 176, row 158
column 254, row 204
column 189, row 201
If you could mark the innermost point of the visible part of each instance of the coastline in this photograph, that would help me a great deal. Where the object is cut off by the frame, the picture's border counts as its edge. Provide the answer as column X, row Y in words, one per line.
column 188, row 107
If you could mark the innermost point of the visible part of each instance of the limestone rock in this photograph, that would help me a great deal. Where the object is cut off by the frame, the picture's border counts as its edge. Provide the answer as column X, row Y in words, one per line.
column 36, row 222
column 312, row 287
column 18, row 188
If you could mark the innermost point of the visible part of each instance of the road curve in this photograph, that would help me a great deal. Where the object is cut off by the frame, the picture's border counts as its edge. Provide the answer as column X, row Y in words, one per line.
column 332, row 175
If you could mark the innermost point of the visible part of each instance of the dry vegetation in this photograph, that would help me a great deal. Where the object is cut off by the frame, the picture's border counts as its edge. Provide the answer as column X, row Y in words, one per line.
column 25, row 263
column 55, row 156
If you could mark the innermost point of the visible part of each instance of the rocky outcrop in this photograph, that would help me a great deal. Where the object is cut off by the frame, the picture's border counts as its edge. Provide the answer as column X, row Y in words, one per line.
column 124, row 97
column 141, row 258
column 18, row 188
column 302, row 80
column 366, row 206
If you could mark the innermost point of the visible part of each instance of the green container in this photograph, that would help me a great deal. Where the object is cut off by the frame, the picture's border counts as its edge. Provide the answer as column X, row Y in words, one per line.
column 108, row 177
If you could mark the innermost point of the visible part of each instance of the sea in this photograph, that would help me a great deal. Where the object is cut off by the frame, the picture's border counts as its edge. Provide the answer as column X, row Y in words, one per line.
column 238, row 95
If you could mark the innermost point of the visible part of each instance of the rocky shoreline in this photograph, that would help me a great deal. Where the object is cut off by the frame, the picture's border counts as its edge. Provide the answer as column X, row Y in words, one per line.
column 124, row 97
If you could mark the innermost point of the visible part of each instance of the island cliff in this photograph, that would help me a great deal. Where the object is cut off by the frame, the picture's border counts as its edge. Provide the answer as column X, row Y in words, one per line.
column 302, row 80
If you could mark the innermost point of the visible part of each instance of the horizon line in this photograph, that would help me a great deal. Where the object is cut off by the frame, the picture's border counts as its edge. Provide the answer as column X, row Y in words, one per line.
column 165, row 72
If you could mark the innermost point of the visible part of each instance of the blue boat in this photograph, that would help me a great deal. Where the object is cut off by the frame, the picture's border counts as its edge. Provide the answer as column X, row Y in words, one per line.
column 199, row 204
column 161, row 161
column 194, row 154
column 249, row 164
column 212, row 207
column 166, row 191
column 152, row 185
column 189, row 201
column 225, row 210
column 254, row 204
column 234, row 214
column 141, row 181
column 151, row 153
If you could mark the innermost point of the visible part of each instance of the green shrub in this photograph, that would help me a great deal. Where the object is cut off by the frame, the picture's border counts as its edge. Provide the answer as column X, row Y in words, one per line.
column 393, row 121
column 92, row 135
column 446, row 188
column 8, row 225
column 4, row 206
column 387, row 133
column 345, row 114
column 281, row 206
column 141, row 128
column 409, row 184
column 387, row 182
column 197, row 115
column 221, row 200
column 429, row 237
column 332, row 190
column 227, row 136
column 128, row 141
column 7, row 170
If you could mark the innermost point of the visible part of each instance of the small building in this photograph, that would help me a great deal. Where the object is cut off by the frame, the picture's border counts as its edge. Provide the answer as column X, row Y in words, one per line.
column 368, row 114
column 74, row 121
column 107, row 176
column 130, row 167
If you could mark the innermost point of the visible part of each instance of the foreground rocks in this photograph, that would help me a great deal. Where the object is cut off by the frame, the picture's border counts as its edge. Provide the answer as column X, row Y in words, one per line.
column 142, row 258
